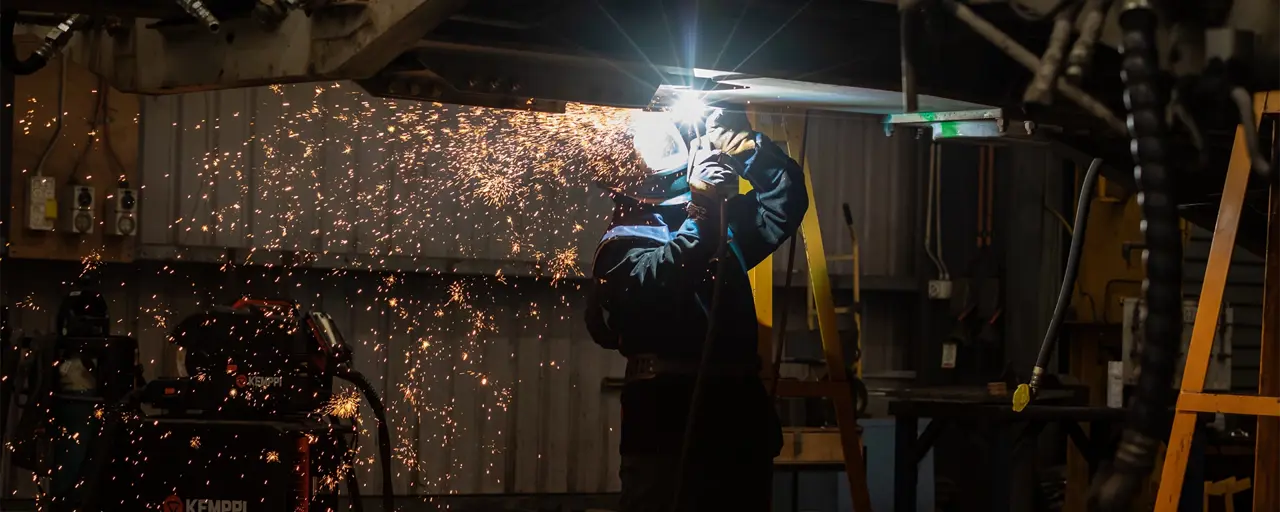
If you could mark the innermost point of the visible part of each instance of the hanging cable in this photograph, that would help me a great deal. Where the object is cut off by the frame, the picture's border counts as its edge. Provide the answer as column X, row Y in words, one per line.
column 699, row 382
column 1244, row 104
column 991, row 194
column 780, row 333
column 982, row 189
column 57, row 124
column 384, row 436
column 928, row 216
column 1147, row 424
column 942, row 262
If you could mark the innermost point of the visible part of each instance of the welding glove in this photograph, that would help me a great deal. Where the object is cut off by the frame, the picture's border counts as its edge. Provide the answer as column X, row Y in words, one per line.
column 729, row 132
column 710, row 177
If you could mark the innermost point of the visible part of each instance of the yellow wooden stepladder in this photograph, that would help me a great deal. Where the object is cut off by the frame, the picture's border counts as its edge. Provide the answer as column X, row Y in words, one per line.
column 789, row 133
column 1192, row 399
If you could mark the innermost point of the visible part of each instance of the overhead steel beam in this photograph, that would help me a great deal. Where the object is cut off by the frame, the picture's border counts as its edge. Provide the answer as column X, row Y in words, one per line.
column 351, row 39
column 510, row 78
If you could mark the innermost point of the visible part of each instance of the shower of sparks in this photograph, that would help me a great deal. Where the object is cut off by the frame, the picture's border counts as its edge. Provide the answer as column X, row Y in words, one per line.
column 28, row 303
column 343, row 404
column 90, row 262
column 326, row 173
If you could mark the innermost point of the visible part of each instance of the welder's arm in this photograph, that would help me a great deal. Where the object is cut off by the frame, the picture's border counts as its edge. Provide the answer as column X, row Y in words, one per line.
column 642, row 270
column 765, row 217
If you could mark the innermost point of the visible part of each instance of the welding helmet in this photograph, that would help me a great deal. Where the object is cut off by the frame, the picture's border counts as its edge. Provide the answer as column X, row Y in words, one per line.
column 662, row 157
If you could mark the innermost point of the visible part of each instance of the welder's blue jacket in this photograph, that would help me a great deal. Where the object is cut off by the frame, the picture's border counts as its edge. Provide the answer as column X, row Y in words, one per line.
column 651, row 293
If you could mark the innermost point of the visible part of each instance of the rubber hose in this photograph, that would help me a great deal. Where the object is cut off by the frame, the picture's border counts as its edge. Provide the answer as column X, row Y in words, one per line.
column 9, row 56
column 384, row 436
column 353, row 483
column 353, row 491
column 1147, row 423
column 699, row 381
column 1069, row 275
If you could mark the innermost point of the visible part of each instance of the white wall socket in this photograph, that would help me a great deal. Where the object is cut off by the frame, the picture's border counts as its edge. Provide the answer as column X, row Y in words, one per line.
column 42, row 203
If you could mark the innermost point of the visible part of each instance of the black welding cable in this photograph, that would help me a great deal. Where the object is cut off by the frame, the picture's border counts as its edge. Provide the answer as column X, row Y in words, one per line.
column 16, row 65
column 353, row 491
column 353, row 482
column 780, row 334
column 699, row 381
column 384, row 436
column 1147, row 424
column 1068, row 275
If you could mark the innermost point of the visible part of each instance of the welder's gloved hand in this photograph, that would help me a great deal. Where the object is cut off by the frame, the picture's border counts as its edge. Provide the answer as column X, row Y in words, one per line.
column 729, row 132
column 710, row 178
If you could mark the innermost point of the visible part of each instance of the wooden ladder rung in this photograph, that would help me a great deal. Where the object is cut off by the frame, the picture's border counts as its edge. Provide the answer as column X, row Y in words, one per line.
column 1229, row 404
column 792, row 388
column 811, row 446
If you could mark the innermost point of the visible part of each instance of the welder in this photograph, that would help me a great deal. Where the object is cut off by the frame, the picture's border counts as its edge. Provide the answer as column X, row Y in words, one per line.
column 651, row 298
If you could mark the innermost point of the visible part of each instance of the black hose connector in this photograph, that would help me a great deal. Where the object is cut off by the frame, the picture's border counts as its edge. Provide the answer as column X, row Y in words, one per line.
column 54, row 41
column 1147, row 424
column 15, row 65
column 384, row 435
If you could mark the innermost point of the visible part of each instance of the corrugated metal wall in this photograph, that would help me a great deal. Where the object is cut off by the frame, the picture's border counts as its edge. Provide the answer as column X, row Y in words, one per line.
column 493, row 389
column 329, row 168
column 1035, row 245
column 852, row 161
column 509, row 390
column 1244, row 293
column 313, row 168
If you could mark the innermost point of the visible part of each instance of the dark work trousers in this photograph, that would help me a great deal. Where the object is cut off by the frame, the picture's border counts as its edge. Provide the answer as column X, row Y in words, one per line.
column 736, row 484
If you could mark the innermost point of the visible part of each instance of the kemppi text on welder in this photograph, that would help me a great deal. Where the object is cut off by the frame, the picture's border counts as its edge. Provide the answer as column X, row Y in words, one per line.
column 652, row 297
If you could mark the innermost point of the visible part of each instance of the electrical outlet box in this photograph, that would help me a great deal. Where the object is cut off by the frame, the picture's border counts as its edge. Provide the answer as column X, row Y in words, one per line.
column 949, row 355
column 42, row 203
column 77, row 215
column 122, row 212
column 939, row 289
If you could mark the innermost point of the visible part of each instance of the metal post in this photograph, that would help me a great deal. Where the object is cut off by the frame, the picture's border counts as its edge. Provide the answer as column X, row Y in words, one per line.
column 1266, row 479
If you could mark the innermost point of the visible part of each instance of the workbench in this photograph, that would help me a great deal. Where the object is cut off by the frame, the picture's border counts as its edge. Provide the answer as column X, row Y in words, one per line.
column 991, row 415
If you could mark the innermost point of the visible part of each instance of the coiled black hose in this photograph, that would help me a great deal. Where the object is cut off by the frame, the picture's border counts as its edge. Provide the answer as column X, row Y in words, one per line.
column 1068, row 275
column 9, row 55
column 1147, row 424
column 384, row 436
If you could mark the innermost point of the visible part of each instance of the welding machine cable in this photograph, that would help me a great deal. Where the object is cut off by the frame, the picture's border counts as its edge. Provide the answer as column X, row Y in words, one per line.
column 1069, row 275
column 699, row 382
column 353, row 491
column 384, row 436
column 1147, row 424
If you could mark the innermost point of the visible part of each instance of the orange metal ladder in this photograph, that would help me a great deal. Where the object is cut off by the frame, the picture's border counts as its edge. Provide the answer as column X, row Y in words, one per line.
column 1192, row 399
